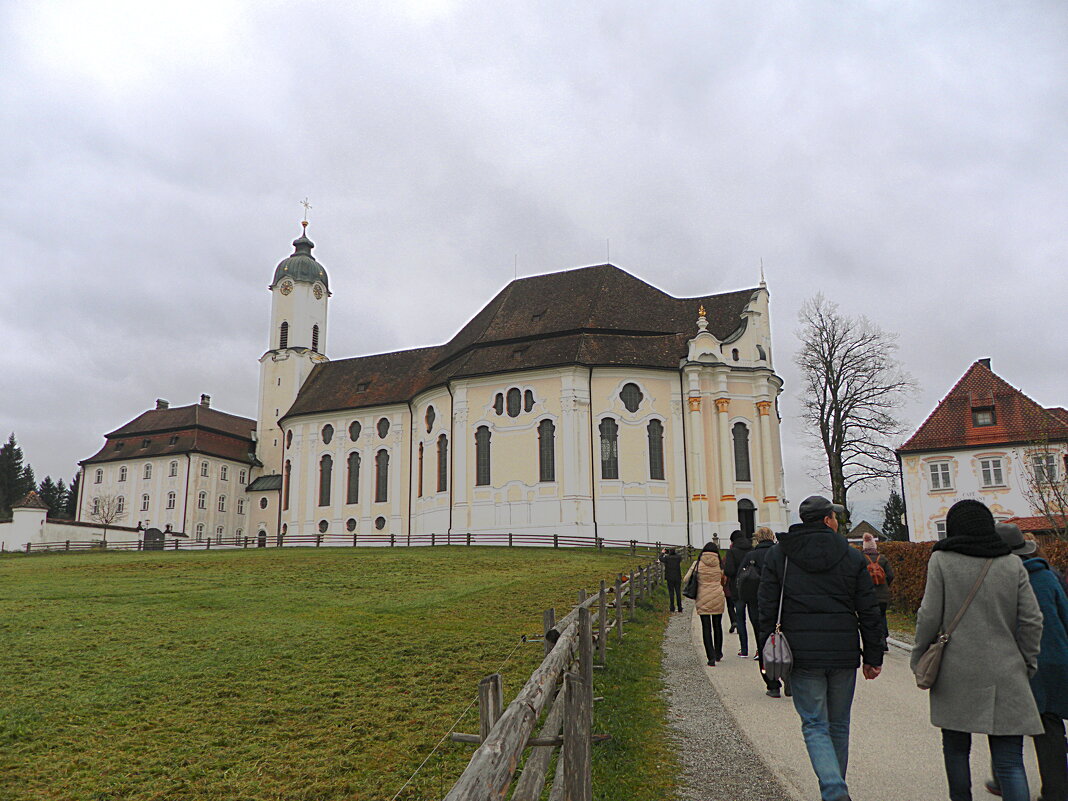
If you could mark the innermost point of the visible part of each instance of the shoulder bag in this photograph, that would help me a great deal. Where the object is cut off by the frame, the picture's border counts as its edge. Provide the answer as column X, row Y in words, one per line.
column 690, row 590
column 778, row 658
column 927, row 666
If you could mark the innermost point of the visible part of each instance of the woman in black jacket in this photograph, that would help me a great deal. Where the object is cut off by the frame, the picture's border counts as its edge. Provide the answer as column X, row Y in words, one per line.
column 748, row 581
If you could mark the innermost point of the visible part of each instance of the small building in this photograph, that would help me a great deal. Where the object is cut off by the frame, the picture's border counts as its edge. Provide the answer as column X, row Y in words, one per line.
column 988, row 441
column 864, row 527
column 30, row 526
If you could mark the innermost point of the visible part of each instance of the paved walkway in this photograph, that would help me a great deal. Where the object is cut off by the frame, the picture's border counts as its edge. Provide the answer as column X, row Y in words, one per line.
column 895, row 754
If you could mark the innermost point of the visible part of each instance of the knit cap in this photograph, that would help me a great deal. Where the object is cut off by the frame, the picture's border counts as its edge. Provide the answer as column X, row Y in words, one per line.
column 969, row 518
column 870, row 545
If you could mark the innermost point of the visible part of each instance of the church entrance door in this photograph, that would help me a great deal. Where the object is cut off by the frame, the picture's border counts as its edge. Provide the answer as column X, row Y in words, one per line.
column 747, row 517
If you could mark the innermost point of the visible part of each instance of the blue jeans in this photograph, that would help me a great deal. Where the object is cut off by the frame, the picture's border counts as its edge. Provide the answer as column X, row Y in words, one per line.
column 1006, row 758
column 823, row 698
column 739, row 616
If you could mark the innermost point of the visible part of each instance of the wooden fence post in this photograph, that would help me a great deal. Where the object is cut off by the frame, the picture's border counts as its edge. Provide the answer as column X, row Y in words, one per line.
column 27, row 547
column 354, row 539
column 578, row 717
column 556, row 540
column 633, row 588
column 509, row 539
column 585, row 646
column 619, row 609
column 548, row 620
column 468, row 537
column 490, row 703
column 432, row 539
column 392, row 539
column 602, row 619
column 67, row 548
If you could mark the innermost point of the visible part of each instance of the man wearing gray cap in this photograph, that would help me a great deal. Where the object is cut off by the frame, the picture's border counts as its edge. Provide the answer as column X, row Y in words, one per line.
column 828, row 608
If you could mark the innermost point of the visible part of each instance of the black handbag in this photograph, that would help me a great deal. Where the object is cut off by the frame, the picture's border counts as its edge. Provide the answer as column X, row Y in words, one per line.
column 690, row 590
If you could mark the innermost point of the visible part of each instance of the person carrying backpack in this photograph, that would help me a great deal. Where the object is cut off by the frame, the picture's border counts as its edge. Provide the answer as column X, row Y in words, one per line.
column 741, row 544
column 748, row 581
column 882, row 576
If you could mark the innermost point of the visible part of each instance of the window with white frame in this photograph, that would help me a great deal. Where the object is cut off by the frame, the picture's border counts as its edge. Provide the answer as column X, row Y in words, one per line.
column 991, row 472
column 1044, row 467
column 120, row 505
column 940, row 476
column 148, row 471
column 122, row 473
column 170, row 500
column 174, row 469
column 202, row 500
column 224, row 473
column 222, row 503
column 144, row 503
column 240, row 506
column 96, row 506
column 99, row 476
column 241, row 475
column 204, row 469
column 218, row 533
column 200, row 531
column 940, row 529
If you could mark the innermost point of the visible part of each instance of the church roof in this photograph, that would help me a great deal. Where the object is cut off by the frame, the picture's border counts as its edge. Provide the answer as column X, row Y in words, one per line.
column 184, row 429
column 31, row 500
column 301, row 266
column 593, row 316
column 1017, row 418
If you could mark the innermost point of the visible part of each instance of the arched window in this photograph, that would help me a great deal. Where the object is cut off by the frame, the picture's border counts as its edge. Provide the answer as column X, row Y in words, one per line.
column 224, row 473
column 200, row 532
column 528, row 400
column 283, row 335
column 656, row 450
column 419, row 476
column 482, row 456
column 734, row 354
column 631, row 397
column 354, row 430
column 443, row 463
column 170, row 500
column 515, row 400
column 383, row 428
column 286, row 475
column 96, row 506
column 120, row 505
column 741, row 452
column 352, row 493
column 431, row 415
column 746, row 516
column 498, row 404
column 609, row 448
column 144, row 503
column 204, row 469
column 289, row 437
column 761, row 353
column 122, row 474
column 381, row 476
column 202, row 500
column 99, row 476
column 222, row 503
column 148, row 471
column 326, row 469
column 174, row 469
column 328, row 433
column 315, row 339
column 218, row 534
column 241, row 477
column 546, row 451
column 240, row 506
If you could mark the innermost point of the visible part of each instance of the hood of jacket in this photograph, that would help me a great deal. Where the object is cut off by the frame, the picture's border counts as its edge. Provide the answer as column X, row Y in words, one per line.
column 813, row 546
column 741, row 541
column 1036, row 563
column 763, row 544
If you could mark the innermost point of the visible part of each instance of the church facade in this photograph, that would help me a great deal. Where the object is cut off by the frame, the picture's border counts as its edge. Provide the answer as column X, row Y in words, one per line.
column 585, row 402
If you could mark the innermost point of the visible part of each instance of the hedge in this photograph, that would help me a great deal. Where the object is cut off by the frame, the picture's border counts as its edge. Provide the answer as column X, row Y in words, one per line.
column 909, row 560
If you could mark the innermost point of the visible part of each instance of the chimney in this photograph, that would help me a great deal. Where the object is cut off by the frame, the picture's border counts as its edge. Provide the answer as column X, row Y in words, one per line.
column 205, row 401
column 985, row 363
column 162, row 404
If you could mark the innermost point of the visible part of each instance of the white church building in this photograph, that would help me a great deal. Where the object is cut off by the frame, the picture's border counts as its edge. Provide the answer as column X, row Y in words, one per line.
column 584, row 402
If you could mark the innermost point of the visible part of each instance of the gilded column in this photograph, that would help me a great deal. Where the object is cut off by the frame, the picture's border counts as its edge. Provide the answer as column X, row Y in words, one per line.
column 770, row 489
column 726, row 468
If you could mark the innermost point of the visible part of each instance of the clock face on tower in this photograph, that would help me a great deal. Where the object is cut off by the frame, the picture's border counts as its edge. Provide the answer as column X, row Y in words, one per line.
column 287, row 287
column 317, row 290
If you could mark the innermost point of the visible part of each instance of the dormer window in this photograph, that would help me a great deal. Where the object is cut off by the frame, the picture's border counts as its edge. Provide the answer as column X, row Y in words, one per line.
column 145, row 443
column 984, row 416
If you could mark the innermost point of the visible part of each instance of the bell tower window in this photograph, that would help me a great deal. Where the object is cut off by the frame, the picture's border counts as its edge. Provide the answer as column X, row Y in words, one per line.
column 315, row 338
column 283, row 335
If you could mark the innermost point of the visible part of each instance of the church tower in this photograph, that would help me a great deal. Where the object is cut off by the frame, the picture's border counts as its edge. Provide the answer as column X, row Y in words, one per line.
column 300, row 294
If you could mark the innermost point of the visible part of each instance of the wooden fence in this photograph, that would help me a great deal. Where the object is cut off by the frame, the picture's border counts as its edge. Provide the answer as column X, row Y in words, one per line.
column 559, row 693
column 350, row 540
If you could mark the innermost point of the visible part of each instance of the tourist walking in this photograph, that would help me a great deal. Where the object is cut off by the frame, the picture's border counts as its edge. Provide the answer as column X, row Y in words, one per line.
column 828, row 609
column 741, row 545
column 748, row 582
column 882, row 576
column 1050, row 684
column 982, row 685
column 672, row 561
column 710, row 600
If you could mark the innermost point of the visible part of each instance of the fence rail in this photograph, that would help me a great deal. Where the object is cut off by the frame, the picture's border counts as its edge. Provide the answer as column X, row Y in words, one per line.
column 349, row 540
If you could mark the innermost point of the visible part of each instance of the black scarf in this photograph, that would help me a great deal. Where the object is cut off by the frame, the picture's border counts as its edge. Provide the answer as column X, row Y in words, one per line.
column 986, row 545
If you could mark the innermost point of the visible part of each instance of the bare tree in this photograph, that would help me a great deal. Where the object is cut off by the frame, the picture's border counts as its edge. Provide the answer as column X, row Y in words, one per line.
column 1045, row 474
column 108, row 509
column 852, row 388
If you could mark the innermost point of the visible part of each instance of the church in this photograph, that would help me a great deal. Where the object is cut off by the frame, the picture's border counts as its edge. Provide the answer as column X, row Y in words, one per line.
column 584, row 403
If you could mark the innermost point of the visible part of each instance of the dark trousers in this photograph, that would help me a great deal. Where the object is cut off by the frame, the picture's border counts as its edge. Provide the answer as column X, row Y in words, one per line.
column 1006, row 757
column 1052, row 752
column 675, row 594
column 886, row 628
column 751, row 608
column 712, row 633
column 731, row 612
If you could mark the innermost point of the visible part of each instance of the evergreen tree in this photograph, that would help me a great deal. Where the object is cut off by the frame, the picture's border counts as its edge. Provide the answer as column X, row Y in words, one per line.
column 49, row 493
column 72, row 498
column 27, row 482
column 894, row 518
column 11, row 475
column 60, row 510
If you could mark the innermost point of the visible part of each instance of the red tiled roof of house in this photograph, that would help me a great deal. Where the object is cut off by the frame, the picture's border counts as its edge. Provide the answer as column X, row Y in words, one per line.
column 1038, row 522
column 1018, row 419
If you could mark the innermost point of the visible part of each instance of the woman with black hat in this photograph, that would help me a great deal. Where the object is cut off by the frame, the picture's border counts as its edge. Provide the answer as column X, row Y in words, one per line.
column 982, row 685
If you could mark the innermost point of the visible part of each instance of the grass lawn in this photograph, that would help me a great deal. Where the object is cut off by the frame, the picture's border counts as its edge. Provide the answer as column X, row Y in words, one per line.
column 291, row 673
column 902, row 625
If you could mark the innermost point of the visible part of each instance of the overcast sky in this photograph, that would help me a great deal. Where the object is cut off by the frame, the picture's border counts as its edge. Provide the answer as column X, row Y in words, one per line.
column 907, row 159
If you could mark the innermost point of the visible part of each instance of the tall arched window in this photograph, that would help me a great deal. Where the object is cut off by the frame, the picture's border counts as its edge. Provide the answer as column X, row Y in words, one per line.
column 122, row 473
column 326, row 471
column 352, row 494
column 315, row 338
column 419, row 477
column 443, row 463
column 222, row 503
column 482, row 456
column 120, row 505
column 202, row 500
column 170, row 500
column 609, row 448
column 174, row 469
column 283, row 335
column 144, row 503
column 515, row 401
column 741, row 452
column 148, row 471
column 656, row 450
column 546, row 451
column 286, row 475
column 381, row 476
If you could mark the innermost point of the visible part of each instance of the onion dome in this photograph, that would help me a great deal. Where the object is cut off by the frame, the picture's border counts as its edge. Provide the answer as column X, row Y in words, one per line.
column 301, row 266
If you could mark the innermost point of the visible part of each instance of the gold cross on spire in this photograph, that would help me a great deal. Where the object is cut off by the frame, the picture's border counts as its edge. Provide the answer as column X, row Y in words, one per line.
column 307, row 207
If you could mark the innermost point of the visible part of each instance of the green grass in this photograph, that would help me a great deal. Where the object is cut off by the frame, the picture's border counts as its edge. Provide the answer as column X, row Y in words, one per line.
column 289, row 674
column 901, row 623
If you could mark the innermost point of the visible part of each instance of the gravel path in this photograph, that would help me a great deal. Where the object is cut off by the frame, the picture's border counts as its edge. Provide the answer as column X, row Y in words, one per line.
column 718, row 761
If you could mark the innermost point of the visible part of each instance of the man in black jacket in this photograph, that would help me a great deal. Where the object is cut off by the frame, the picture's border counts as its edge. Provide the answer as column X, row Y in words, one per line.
column 672, row 560
column 828, row 606
column 741, row 545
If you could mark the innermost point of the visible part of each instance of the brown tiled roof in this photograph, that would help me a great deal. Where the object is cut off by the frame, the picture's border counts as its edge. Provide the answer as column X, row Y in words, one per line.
column 31, row 500
column 1018, row 418
column 181, row 430
column 590, row 316
column 1037, row 523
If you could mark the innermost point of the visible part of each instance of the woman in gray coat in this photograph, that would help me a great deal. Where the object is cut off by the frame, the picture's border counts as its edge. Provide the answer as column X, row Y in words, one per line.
column 982, row 686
